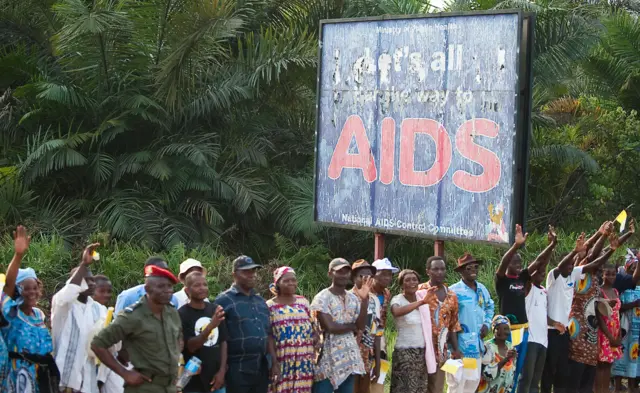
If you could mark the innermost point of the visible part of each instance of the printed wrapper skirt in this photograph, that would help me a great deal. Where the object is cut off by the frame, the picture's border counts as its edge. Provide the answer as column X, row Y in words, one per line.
column 409, row 371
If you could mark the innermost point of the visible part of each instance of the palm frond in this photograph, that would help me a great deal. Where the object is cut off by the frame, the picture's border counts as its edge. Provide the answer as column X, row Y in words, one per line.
column 565, row 155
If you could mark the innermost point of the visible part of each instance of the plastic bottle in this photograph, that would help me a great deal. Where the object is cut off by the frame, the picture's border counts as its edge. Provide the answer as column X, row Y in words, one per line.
column 190, row 369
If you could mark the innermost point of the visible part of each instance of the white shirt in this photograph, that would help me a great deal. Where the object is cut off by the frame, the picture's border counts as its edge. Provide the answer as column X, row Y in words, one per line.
column 560, row 292
column 183, row 299
column 409, row 326
column 71, row 324
column 536, row 305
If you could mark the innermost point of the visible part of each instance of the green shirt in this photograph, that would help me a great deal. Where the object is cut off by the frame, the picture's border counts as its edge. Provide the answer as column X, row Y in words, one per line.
column 152, row 343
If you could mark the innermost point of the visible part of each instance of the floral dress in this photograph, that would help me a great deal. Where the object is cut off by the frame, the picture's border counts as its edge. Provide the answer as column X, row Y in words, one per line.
column 293, row 333
column 608, row 354
column 493, row 380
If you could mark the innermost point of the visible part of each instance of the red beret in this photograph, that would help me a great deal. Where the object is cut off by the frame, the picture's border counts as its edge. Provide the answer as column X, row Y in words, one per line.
column 155, row 271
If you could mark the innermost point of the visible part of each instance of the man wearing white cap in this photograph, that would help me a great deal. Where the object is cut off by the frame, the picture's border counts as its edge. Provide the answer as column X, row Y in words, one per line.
column 186, row 267
column 382, row 280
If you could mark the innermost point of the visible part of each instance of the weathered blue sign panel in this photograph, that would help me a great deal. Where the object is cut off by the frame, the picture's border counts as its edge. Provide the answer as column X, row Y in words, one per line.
column 417, row 125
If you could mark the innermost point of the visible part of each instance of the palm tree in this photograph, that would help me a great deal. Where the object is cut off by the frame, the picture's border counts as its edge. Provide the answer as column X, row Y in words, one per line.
column 613, row 69
column 152, row 119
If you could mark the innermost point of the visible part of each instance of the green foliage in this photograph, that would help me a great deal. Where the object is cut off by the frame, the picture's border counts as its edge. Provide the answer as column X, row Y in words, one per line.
column 165, row 122
column 153, row 121
column 605, row 136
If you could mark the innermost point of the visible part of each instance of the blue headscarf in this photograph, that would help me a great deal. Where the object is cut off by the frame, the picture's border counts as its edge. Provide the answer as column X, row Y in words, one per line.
column 23, row 274
column 499, row 320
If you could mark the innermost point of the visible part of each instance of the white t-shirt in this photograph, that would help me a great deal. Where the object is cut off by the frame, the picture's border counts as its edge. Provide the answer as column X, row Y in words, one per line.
column 409, row 326
column 560, row 292
column 536, row 305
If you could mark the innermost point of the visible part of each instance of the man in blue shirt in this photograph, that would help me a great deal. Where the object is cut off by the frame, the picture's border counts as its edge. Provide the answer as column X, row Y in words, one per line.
column 130, row 296
column 249, row 327
column 475, row 310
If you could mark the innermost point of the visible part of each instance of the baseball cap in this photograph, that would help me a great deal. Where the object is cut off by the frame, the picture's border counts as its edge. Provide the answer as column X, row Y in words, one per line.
column 337, row 264
column 244, row 262
column 188, row 264
column 385, row 264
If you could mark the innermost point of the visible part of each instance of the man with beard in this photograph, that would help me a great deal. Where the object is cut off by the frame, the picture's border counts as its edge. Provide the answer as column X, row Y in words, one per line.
column 250, row 344
column 475, row 312
column 150, row 331
column 443, row 304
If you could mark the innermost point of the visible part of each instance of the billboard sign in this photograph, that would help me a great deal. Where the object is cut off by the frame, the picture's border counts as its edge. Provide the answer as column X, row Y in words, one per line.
column 422, row 124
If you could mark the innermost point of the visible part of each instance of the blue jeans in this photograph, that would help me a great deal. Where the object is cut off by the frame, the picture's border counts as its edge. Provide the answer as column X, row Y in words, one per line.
column 325, row 386
column 221, row 390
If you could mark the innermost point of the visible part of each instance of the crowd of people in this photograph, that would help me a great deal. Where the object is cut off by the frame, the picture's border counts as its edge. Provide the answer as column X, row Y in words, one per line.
column 576, row 334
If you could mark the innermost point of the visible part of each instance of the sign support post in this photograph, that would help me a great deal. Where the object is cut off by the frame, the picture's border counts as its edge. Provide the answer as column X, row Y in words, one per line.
column 438, row 248
column 378, row 246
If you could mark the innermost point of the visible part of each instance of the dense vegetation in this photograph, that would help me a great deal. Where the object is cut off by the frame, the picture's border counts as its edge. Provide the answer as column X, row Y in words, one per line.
column 187, row 127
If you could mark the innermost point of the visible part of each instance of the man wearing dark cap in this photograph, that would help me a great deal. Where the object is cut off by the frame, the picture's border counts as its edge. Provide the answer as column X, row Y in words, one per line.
column 150, row 332
column 250, row 345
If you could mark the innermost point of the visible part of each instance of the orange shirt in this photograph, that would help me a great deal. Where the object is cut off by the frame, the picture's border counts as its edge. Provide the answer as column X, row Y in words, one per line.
column 444, row 318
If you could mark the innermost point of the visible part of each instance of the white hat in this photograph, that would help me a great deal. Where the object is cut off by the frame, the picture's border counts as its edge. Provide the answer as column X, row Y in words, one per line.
column 188, row 264
column 385, row 264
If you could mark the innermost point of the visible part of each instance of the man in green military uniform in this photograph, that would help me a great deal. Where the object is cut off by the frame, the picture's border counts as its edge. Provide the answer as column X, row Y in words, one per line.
column 150, row 331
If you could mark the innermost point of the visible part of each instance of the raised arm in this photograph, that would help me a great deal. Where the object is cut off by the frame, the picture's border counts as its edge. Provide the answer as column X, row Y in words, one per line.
column 568, row 259
column 594, row 238
column 595, row 251
column 506, row 258
column 400, row 311
column 20, row 246
column 623, row 239
column 83, row 269
column 543, row 259
column 595, row 265
column 363, row 294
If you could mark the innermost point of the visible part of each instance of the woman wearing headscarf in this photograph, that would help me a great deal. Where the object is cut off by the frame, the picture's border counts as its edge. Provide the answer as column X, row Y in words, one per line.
column 629, row 366
column 413, row 356
column 293, row 334
column 499, row 359
column 32, row 368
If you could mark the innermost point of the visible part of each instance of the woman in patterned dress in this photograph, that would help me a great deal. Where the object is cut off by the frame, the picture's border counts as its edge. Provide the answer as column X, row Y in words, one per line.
column 293, row 333
column 408, row 368
column 26, row 335
column 499, row 359
column 628, row 366
column 609, row 338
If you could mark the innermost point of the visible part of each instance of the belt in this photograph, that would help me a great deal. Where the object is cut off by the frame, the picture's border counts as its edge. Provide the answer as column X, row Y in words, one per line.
column 520, row 326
